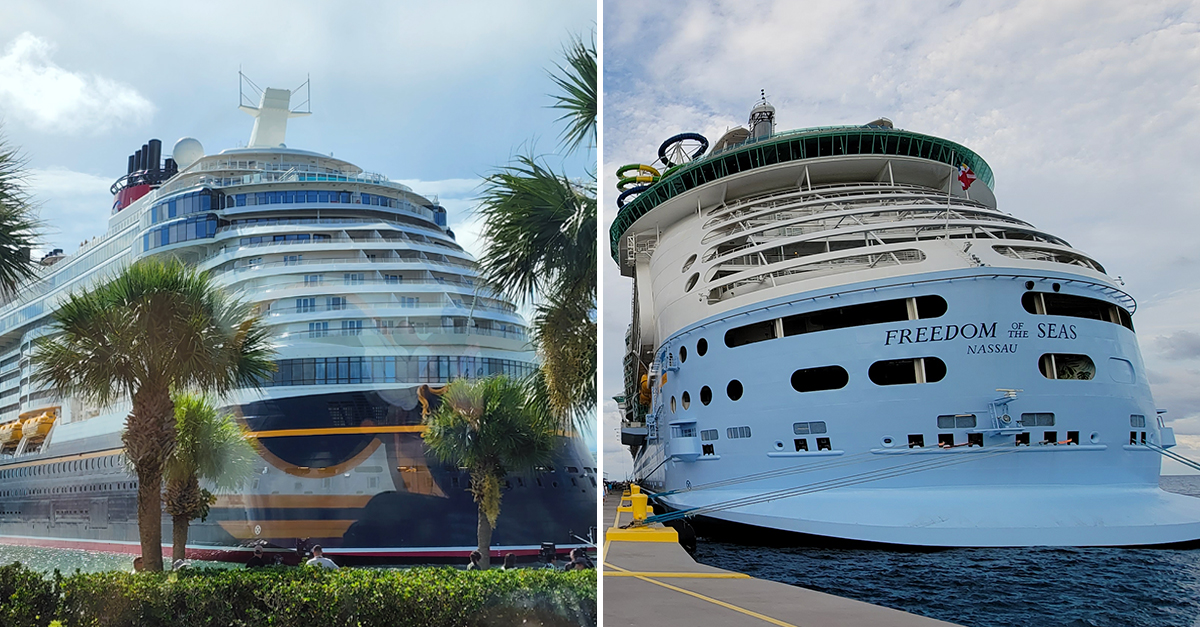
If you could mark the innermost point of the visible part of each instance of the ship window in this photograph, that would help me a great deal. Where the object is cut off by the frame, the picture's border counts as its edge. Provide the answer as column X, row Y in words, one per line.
column 916, row 441
column 701, row 347
column 905, row 371
column 734, row 433
column 1137, row 421
column 801, row 444
column 687, row 264
column 895, row 310
column 958, row 421
column 750, row 333
column 682, row 354
column 974, row 439
column 1065, row 366
column 708, row 435
column 734, row 390
column 1072, row 437
column 824, row 445
column 672, row 404
column 946, row 440
column 687, row 400
column 1050, row 437
column 706, row 395
column 705, row 449
column 686, row 430
column 1056, row 304
column 807, row 428
column 691, row 282
column 823, row 378
column 1044, row 419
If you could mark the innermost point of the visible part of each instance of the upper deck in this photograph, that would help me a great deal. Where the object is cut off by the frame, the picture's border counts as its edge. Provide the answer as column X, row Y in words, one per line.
column 825, row 154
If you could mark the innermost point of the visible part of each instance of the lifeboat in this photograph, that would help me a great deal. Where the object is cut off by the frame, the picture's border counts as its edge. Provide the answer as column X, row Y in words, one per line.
column 37, row 423
column 10, row 434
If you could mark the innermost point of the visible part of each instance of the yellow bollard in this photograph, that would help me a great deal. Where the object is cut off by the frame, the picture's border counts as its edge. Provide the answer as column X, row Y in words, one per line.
column 639, row 505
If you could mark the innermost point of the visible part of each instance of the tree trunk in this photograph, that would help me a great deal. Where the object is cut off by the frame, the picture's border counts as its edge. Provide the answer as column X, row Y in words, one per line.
column 149, row 439
column 485, row 540
column 179, row 537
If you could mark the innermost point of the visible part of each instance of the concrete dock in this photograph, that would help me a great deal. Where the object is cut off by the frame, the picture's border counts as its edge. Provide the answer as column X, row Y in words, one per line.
column 649, row 579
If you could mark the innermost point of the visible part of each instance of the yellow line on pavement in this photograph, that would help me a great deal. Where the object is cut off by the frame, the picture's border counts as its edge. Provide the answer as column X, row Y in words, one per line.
column 730, row 606
column 681, row 575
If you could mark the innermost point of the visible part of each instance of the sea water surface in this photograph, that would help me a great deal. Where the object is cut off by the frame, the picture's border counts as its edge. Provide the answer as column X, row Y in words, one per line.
column 1038, row 587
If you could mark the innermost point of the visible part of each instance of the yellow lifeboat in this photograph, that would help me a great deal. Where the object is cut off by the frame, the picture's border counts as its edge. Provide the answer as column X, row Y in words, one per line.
column 37, row 423
column 10, row 433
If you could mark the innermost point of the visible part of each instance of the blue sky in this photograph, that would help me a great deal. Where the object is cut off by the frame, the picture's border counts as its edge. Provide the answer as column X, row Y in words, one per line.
column 1087, row 111
column 431, row 94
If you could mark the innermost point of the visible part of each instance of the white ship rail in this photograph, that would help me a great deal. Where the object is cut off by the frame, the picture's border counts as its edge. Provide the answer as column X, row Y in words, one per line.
column 240, row 225
column 301, row 331
column 349, row 260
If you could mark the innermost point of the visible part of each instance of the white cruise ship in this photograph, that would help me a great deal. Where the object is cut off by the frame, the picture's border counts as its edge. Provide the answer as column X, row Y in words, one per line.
column 371, row 303
column 838, row 335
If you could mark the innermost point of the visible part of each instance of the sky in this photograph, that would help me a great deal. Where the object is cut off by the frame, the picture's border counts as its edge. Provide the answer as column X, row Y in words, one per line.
column 1087, row 111
column 434, row 95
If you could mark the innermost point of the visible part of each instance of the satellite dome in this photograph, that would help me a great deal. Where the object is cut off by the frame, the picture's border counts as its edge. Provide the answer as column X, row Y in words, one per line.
column 187, row 151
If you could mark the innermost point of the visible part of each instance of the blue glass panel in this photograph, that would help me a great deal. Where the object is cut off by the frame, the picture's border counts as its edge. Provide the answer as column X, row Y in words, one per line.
column 241, row 200
column 345, row 197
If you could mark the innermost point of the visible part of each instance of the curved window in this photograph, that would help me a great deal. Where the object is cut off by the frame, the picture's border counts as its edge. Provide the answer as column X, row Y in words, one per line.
column 905, row 371
column 672, row 404
column 734, row 390
column 194, row 202
column 823, row 378
column 701, row 347
column 392, row 369
column 1030, row 253
column 196, row 227
column 691, row 282
column 687, row 400
column 880, row 312
column 682, row 354
column 1054, row 304
column 687, row 264
column 1066, row 366
column 808, row 428
column 705, row 395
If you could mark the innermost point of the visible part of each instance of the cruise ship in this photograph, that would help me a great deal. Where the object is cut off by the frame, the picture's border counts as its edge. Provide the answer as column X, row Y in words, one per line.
column 373, row 307
column 838, row 335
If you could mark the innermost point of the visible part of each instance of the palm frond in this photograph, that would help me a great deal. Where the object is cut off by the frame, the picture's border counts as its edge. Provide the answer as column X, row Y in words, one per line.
column 19, row 224
column 577, row 93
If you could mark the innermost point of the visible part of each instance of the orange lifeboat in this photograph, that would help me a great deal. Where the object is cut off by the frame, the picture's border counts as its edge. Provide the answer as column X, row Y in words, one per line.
column 37, row 423
column 10, row 433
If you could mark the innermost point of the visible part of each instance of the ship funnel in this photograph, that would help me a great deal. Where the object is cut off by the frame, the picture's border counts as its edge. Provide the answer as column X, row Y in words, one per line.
column 137, row 161
column 153, row 158
column 132, row 164
column 144, row 159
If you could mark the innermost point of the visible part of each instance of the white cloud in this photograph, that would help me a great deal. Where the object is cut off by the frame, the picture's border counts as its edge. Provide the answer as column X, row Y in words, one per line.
column 75, row 206
column 36, row 91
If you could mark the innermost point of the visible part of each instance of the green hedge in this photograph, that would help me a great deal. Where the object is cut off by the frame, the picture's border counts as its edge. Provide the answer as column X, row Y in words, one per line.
column 282, row 597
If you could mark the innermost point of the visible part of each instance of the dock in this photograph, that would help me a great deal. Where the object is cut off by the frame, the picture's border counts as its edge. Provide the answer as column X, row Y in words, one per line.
column 649, row 579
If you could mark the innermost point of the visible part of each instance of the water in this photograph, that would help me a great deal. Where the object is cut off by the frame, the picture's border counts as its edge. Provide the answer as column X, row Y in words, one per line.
column 1037, row 587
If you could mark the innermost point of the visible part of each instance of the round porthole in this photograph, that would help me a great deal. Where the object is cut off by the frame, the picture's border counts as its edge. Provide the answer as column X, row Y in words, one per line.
column 1094, row 438
column 687, row 400
column 734, row 390
column 778, row 445
column 1029, row 285
column 687, row 264
column 1055, row 286
column 691, row 282
column 672, row 404
column 701, row 347
column 682, row 354
column 887, row 441
column 705, row 395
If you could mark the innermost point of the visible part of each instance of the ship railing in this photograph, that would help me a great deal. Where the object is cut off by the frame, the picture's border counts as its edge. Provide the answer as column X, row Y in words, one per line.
column 399, row 284
column 857, row 191
column 304, row 332
column 352, row 240
column 276, row 312
column 269, row 222
column 330, row 261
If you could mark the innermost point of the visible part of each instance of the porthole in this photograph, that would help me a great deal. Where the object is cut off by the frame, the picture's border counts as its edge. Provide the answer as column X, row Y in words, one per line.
column 682, row 354
column 1094, row 438
column 705, row 395
column 672, row 404
column 1029, row 285
column 817, row 379
column 734, row 390
column 687, row 264
column 778, row 445
column 1064, row 366
column 691, row 282
column 887, row 441
column 905, row 371
column 701, row 347
column 687, row 400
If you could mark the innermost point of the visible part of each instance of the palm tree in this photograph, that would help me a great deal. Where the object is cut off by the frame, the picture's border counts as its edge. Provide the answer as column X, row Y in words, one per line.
column 542, row 246
column 159, row 326
column 18, row 224
column 489, row 427
column 210, row 446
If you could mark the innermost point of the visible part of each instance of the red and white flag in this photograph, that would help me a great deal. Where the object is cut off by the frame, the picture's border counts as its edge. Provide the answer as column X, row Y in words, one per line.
column 965, row 176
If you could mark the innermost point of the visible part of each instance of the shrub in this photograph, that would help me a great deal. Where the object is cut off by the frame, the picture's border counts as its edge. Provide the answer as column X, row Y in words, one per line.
column 26, row 598
column 278, row 597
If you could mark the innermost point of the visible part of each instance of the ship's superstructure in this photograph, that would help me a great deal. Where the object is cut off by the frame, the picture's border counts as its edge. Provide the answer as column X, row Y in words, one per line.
column 837, row 332
column 372, row 306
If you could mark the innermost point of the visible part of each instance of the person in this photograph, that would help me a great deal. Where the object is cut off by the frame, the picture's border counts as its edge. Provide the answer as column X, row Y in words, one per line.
column 257, row 561
column 137, row 564
column 319, row 559
column 474, row 563
column 579, row 560
column 180, row 564
column 510, row 562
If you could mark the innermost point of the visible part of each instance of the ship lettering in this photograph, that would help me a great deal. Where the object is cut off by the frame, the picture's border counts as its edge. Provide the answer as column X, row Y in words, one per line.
column 1052, row 331
column 940, row 333
column 991, row 349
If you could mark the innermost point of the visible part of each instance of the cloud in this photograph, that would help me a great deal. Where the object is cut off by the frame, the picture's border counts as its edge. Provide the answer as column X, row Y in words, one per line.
column 36, row 91
column 75, row 206
column 1183, row 344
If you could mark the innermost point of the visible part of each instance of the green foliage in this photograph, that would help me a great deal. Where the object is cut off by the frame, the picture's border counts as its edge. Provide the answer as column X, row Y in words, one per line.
column 18, row 222
column 278, row 596
column 26, row 599
column 577, row 93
